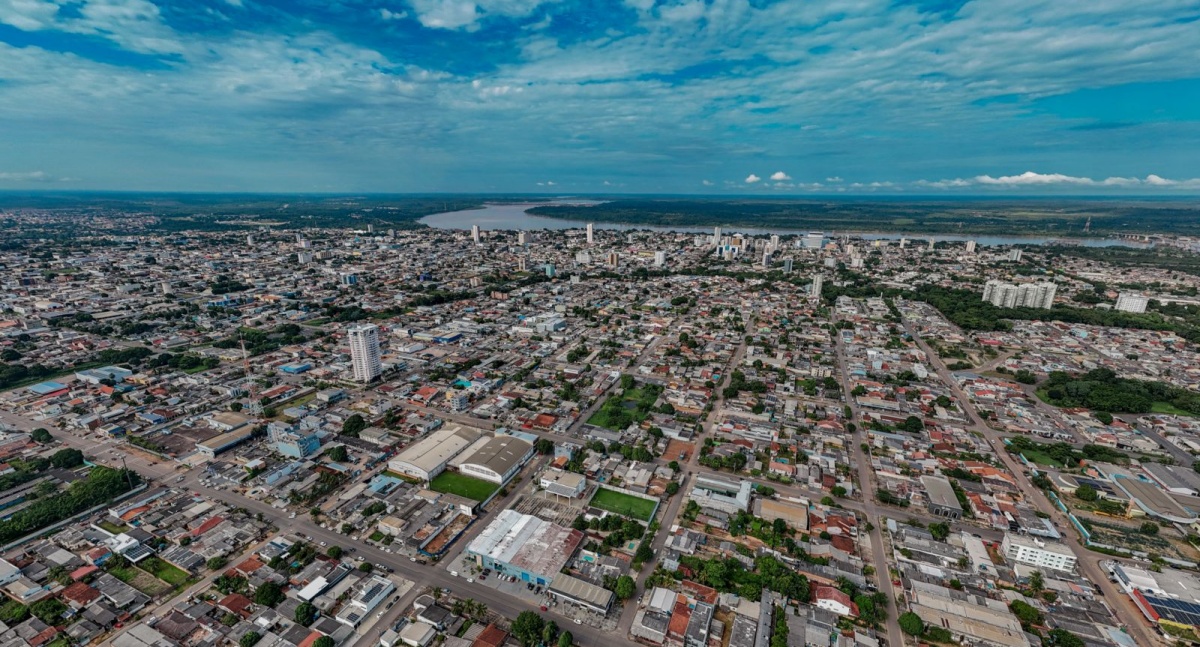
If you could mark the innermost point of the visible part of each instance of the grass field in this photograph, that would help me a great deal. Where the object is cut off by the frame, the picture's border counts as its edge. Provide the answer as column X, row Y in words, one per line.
column 114, row 528
column 1168, row 409
column 158, row 568
column 624, row 504
column 1040, row 458
column 140, row 580
column 462, row 485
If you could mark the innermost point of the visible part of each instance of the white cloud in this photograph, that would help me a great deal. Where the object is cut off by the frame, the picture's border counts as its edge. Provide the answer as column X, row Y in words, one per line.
column 833, row 180
column 388, row 14
column 466, row 14
column 31, row 176
column 780, row 176
column 752, row 178
column 1031, row 178
column 706, row 182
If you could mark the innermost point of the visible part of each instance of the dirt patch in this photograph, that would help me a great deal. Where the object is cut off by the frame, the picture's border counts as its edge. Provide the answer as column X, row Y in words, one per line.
column 678, row 450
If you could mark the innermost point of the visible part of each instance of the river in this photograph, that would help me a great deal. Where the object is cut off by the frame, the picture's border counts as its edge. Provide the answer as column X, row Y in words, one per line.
column 513, row 216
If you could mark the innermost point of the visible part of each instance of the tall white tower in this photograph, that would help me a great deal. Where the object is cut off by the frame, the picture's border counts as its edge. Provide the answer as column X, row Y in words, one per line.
column 475, row 233
column 364, row 352
column 716, row 236
column 591, row 234
column 817, row 283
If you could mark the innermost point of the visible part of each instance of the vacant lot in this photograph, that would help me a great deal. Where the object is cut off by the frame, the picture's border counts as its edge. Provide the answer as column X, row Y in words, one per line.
column 624, row 504
column 140, row 580
column 166, row 572
column 462, row 485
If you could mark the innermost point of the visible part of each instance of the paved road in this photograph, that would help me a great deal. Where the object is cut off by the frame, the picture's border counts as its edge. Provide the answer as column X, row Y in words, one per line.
column 1089, row 562
column 867, row 487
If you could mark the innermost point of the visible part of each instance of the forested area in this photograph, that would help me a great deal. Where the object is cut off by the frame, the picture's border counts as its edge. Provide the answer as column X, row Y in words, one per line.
column 1101, row 390
column 101, row 486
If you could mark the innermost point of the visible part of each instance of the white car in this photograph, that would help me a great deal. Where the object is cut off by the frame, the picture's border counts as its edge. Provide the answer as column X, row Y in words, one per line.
column 470, row 580
column 292, row 515
column 323, row 544
column 578, row 621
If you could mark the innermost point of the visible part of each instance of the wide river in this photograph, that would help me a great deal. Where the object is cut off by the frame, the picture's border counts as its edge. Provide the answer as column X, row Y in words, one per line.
column 514, row 217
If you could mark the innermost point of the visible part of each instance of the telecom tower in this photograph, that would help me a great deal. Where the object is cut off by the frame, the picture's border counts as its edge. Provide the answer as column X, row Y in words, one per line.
column 255, row 407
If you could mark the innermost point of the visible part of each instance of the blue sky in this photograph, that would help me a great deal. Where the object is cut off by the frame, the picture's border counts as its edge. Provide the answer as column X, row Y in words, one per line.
column 773, row 97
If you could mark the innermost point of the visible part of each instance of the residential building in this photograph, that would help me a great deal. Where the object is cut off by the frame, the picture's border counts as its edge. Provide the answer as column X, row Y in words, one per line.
column 364, row 352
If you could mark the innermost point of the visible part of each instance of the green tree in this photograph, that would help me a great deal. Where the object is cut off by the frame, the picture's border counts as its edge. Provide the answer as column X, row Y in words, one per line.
column 1148, row 528
column 67, row 458
column 353, row 425
column 366, row 567
column 324, row 641
column 215, row 563
column 334, row 551
column 1026, row 613
column 40, row 435
column 940, row 530
column 268, row 594
column 527, row 628
column 625, row 588
column 305, row 613
column 1064, row 638
column 913, row 425
column 249, row 638
column 565, row 639
column 1036, row 582
column 1086, row 492
column 549, row 632
column 338, row 454
column 911, row 623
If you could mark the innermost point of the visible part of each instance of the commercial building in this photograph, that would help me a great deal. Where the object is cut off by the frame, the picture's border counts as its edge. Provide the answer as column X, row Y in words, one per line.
column 1035, row 552
column 591, row 233
column 525, row 546
column 294, row 441
column 817, row 283
column 943, row 502
column 428, row 457
column 1024, row 295
column 1132, row 302
column 563, row 483
column 364, row 352
column 224, row 442
column 498, row 460
column 581, row 593
column 368, row 594
column 729, row 497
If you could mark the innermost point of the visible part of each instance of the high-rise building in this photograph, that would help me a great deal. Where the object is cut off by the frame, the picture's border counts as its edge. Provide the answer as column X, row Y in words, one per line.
column 304, row 258
column 1024, row 295
column 349, row 278
column 522, row 238
column 305, row 244
column 165, row 286
column 814, row 240
column 370, row 229
column 614, row 260
column 931, row 244
column 766, row 258
column 1132, row 302
column 521, row 264
column 250, row 240
column 787, row 265
column 475, row 234
column 716, row 236
column 970, row 247
column 591, row 234
column 583, row 258
column 1015, row 256
column 774, row 242
column 903, row 242
column 660, row 259
column 817, row 283
column 299, row 237
column 549, row 268
column 364, row 352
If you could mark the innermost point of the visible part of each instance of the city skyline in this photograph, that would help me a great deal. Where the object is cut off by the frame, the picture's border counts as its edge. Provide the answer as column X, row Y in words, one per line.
column 491, row 96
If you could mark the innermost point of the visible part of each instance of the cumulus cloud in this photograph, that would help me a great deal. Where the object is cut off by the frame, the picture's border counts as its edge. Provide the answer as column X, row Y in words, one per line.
column 706, row 182
column 780, row 176
column 466, row 14
column 388, row 14
column 752, row 178
column 833, row 180
column 1032, row 179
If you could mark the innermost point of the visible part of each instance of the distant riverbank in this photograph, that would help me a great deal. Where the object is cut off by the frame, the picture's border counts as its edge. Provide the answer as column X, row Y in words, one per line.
column 519, row 217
